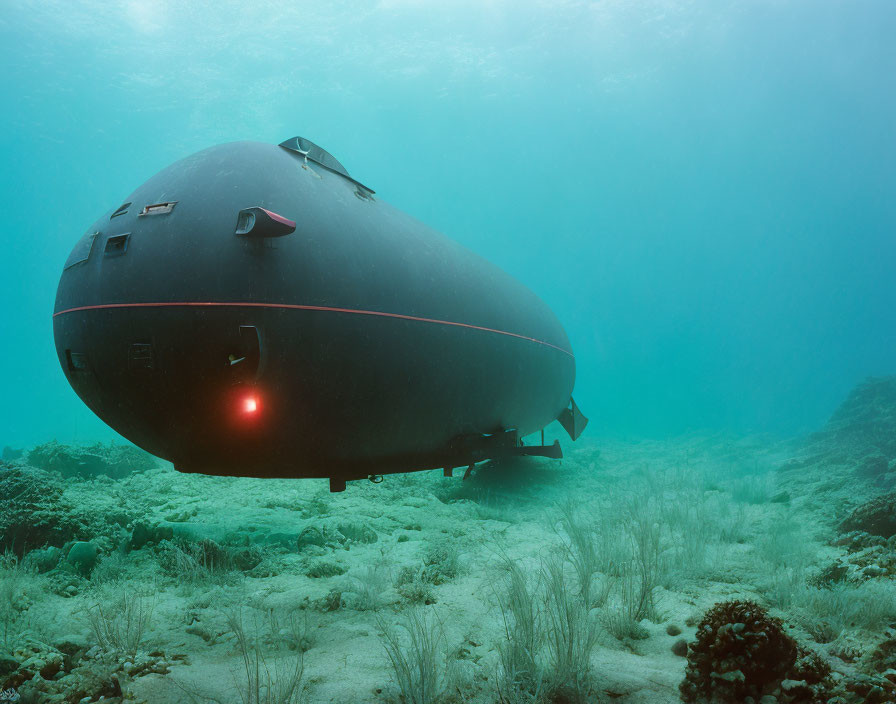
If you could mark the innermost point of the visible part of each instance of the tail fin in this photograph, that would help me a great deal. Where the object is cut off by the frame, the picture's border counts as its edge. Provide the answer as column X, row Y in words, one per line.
column 572, row 420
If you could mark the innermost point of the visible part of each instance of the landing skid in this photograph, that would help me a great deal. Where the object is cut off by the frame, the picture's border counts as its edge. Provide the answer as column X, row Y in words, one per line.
column 473, row 449
column 468, row 450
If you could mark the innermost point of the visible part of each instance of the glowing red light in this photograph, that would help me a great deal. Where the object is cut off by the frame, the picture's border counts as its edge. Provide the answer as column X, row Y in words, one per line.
column 250, row 405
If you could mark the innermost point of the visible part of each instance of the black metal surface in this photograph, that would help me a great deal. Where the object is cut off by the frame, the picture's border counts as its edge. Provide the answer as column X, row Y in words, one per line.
column 573, row 420
column 369, row 342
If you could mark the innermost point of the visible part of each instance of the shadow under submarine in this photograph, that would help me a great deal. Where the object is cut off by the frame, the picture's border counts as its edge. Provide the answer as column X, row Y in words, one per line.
column 253, row 310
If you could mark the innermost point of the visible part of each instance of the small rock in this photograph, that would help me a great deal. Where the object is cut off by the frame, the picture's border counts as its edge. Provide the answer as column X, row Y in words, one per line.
column 673, row 630
column 43, row 559
column 311, row 536
column 358, row 532
column 873, row 571
column 52, row 666
column 876, row 517
column 795, row 687
column 70, row 644
column 325, row 568
column 202, row 633
column 245, row 559
column 680, row 648
column 7, row 665
column 82, row 556
column 140, row 536
column 872, row 466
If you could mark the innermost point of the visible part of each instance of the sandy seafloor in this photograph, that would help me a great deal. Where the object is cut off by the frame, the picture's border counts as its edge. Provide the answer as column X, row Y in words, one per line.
column 316, row 578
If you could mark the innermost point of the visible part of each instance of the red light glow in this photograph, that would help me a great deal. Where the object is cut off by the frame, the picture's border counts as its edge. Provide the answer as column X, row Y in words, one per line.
column 250, row 405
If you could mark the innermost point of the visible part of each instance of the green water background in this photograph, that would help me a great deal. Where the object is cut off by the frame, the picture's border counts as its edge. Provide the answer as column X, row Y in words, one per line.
column 703, row 191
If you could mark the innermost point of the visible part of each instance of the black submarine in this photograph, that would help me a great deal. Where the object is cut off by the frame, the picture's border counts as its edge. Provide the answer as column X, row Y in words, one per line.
column 253, row 310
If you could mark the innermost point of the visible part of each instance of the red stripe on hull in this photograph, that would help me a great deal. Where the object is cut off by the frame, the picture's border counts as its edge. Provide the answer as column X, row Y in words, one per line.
column 295, row 306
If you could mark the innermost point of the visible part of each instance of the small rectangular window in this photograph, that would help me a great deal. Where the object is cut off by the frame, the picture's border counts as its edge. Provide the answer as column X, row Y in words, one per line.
column 117, row 245
column 159, row 208
column 81, row 252
column 77, row 361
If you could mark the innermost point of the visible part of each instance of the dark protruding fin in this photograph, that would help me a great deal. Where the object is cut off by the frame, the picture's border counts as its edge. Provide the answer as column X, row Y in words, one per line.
column 470, row 449
column 554, row 452
column 309, row 150
column 572, row 420
column 317, row 154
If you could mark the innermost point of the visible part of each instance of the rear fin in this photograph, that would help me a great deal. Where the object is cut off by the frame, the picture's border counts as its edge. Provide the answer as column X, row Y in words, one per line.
column 572, row 420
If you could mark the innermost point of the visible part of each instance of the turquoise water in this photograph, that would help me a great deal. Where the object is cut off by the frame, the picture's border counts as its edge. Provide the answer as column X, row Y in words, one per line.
column 702, row 191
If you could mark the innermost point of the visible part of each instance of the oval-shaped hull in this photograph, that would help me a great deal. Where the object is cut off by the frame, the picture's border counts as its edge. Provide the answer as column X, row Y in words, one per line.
column 361, row 342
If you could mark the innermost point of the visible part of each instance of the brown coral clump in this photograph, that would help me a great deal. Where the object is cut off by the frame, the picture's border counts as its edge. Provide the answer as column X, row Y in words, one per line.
column 741, row 653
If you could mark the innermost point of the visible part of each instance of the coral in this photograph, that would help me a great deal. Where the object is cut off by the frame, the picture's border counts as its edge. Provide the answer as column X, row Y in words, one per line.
column 854, row 455
column 876, row 517
column 68, row 672
column 857, row 540
column 864, row 689
column 742, row 652
column 865, row 423
column 868, row 557
column 32, row 510
column 883, row 657
column 116, row 461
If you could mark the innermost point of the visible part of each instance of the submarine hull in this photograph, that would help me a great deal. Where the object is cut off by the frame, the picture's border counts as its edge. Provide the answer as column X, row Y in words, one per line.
column 253, row 310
